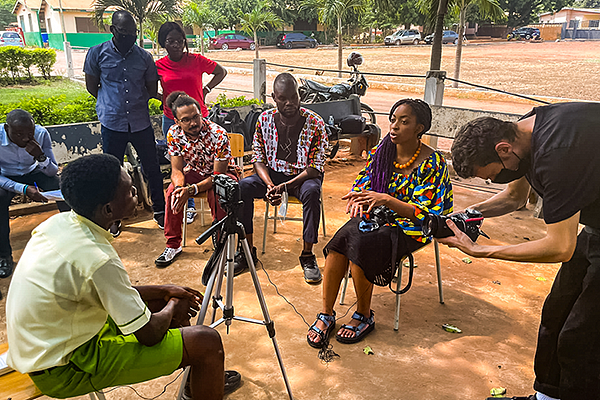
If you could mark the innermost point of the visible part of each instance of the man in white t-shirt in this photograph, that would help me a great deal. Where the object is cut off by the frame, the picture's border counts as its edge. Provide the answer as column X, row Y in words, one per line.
column 75, row 323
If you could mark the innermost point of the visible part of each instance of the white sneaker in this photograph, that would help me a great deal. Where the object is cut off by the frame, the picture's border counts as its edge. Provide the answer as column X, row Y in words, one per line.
column 190, row 215
column 167, row 257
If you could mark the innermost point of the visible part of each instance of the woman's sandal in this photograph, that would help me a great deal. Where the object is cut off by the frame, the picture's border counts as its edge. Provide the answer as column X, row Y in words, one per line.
column 329, row 321
column 363, row 329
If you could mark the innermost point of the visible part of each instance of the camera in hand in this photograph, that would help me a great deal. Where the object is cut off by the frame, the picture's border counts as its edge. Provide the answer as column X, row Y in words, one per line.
column 228, row 192
column 469, row 222
column 378, row 217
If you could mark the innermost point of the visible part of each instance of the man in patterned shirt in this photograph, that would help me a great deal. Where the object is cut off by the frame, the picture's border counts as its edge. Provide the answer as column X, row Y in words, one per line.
column 198, row 148
column 289, row 156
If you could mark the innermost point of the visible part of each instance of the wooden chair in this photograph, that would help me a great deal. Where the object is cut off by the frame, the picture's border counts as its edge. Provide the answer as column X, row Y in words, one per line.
column 17, row 386
column 291, row 200
column 236, row 142
column 399, row 281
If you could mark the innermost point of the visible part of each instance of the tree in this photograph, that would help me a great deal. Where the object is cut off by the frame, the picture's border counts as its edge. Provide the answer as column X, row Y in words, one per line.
column 6, row 15
column 140, row 9
column 487, row 8
column 151, row 26
column 201, row 15
column 332, row 12
column 259, row 19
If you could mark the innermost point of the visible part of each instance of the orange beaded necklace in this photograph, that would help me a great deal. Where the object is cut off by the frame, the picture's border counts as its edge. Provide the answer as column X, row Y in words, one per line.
column 411, row 161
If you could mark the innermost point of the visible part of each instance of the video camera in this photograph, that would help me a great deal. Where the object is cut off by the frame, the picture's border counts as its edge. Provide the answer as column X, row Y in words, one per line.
column 228, row 192
column 469, row 222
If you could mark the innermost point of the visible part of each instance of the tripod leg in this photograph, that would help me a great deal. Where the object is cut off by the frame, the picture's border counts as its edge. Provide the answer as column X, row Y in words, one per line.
column 228, row 310
column 263, row 305
column 219, row 283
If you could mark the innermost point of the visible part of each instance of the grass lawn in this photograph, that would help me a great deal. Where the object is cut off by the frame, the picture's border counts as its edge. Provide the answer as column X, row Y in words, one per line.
column 54, row 87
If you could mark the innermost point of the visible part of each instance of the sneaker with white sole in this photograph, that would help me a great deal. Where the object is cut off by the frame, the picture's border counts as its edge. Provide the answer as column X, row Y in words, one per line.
column 190, row 216
column 167, row 257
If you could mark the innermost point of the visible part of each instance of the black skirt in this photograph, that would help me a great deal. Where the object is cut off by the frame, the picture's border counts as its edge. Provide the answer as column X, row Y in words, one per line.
column 371, row 251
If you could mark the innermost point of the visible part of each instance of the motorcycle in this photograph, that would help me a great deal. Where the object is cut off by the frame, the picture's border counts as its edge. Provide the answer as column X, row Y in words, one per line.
column 314, row 92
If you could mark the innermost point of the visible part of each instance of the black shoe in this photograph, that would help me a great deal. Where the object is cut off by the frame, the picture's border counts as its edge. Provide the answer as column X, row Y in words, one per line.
column 159, row 218
column 6, row 266
column 233, row 380
column 312, row 274
column 167, row 257
column 240, row 264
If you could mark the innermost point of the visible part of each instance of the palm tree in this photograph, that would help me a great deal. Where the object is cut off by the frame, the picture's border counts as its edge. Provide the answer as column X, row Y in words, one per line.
column 151, row 26
column 487, row 8
column 332, row 12
column 140, row 9
column 260, row 18
column 200, row 14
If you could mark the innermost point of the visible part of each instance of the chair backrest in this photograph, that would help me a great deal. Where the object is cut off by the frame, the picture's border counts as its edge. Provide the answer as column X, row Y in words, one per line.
column 236, row 141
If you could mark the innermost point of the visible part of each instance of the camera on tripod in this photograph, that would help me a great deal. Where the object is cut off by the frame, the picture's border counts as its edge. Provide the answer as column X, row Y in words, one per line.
column 228, row 192
column 469, row 222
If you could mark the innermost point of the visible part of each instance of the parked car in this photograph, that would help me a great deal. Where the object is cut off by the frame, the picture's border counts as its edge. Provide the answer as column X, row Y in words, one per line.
column 525, row 32
column 447, row 37
column 411, row 36
column 9, row 38
column 231, row 41
column 289, row 40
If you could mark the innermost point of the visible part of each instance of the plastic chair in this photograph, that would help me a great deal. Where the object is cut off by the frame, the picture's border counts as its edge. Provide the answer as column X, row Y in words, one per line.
column 291, row 200
column 399, row 281
column 236, row 142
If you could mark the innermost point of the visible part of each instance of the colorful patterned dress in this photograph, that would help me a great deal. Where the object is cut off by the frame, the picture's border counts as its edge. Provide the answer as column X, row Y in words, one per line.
column 427, row 188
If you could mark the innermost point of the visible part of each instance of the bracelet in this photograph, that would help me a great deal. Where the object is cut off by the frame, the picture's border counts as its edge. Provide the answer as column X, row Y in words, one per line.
column 196, row 187
column 25, row 190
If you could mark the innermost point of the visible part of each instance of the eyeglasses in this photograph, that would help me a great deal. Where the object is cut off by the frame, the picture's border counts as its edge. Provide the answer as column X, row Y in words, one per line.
column 190, row 119
column 175, row 41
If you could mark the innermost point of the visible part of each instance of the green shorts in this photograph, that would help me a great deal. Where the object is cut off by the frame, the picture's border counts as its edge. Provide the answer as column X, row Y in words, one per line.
column 111, row 359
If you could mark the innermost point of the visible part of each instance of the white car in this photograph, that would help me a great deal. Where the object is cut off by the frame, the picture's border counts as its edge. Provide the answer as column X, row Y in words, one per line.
column 11, row 38
column 411, row 36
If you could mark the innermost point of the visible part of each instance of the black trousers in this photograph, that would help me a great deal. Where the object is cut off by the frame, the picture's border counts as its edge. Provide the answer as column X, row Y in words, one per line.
column 567, row 360
column 44, row 182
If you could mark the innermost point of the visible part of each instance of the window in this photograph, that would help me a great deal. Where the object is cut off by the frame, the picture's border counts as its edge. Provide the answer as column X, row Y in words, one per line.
column 49, row 25
column 594, row 23
column 85, row 25
column 30, row 23
column 11, row 35
column 573, row 24
column 22, row 20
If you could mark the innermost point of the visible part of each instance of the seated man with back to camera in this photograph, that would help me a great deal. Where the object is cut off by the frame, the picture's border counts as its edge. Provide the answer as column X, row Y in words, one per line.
column 198, row 148
column 75, row 323
column 27, row 164
column 289, row 156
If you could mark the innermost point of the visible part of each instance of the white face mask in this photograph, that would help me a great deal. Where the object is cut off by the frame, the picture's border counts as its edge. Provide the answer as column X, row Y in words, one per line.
column 284, row 203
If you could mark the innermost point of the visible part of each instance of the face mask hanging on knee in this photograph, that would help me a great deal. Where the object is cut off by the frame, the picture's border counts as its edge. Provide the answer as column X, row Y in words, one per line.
column 283, row 207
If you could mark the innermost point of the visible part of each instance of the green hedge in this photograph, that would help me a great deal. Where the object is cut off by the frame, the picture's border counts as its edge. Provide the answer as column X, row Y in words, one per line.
column 16, row 62
column 54, row 110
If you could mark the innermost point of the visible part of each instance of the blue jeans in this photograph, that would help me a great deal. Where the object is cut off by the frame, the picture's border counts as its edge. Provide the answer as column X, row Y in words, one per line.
column 166, row 124
column 114, row 142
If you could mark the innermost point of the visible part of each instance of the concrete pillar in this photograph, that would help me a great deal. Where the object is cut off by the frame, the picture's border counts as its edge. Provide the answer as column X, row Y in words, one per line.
column 434, row 95
column 259, row 79
column 69, row 57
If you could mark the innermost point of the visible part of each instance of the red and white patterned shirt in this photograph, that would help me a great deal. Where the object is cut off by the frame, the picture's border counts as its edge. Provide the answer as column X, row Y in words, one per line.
column 200, row 154
column 312, row 143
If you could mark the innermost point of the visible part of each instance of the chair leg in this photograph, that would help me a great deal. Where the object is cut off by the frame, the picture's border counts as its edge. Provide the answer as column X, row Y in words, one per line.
column 345, row 286
column 265, row 227
column 438, row 267
column 97, row 395
column 275, row 219
column 398, row 287
column 202, row 211
column 323, row 214
column 184, row 225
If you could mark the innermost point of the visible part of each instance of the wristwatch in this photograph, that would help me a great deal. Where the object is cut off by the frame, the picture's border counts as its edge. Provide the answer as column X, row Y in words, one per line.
column 41, row 158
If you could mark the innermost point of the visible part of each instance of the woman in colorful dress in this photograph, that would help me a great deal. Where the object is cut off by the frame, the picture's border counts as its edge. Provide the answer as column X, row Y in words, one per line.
column 405, row 176
column 181, row 70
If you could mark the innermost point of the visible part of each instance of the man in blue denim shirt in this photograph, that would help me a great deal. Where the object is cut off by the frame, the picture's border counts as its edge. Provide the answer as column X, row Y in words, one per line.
column 26, row 164
column 122, row 77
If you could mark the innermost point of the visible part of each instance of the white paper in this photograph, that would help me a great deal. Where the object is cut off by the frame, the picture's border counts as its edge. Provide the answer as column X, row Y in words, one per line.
column 55, row 195
column 3, row 363
column 284, row 205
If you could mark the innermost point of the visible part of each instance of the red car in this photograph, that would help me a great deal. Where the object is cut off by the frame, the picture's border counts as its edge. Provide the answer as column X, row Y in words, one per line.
column 231, row 41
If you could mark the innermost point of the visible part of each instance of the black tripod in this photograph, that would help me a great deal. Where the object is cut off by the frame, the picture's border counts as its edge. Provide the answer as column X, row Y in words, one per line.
column 220, row 262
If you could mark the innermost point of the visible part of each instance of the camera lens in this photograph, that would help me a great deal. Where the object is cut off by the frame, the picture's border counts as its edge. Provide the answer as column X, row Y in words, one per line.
column 429, row 225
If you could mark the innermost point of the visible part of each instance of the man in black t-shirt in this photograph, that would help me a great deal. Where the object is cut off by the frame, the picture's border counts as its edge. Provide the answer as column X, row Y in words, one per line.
column 553, row 149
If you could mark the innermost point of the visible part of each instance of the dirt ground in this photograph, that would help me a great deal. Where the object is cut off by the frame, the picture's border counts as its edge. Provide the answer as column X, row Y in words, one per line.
column 496, row 304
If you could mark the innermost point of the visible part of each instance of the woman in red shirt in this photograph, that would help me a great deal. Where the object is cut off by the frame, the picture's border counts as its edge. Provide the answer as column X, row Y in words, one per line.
column 181, row 70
